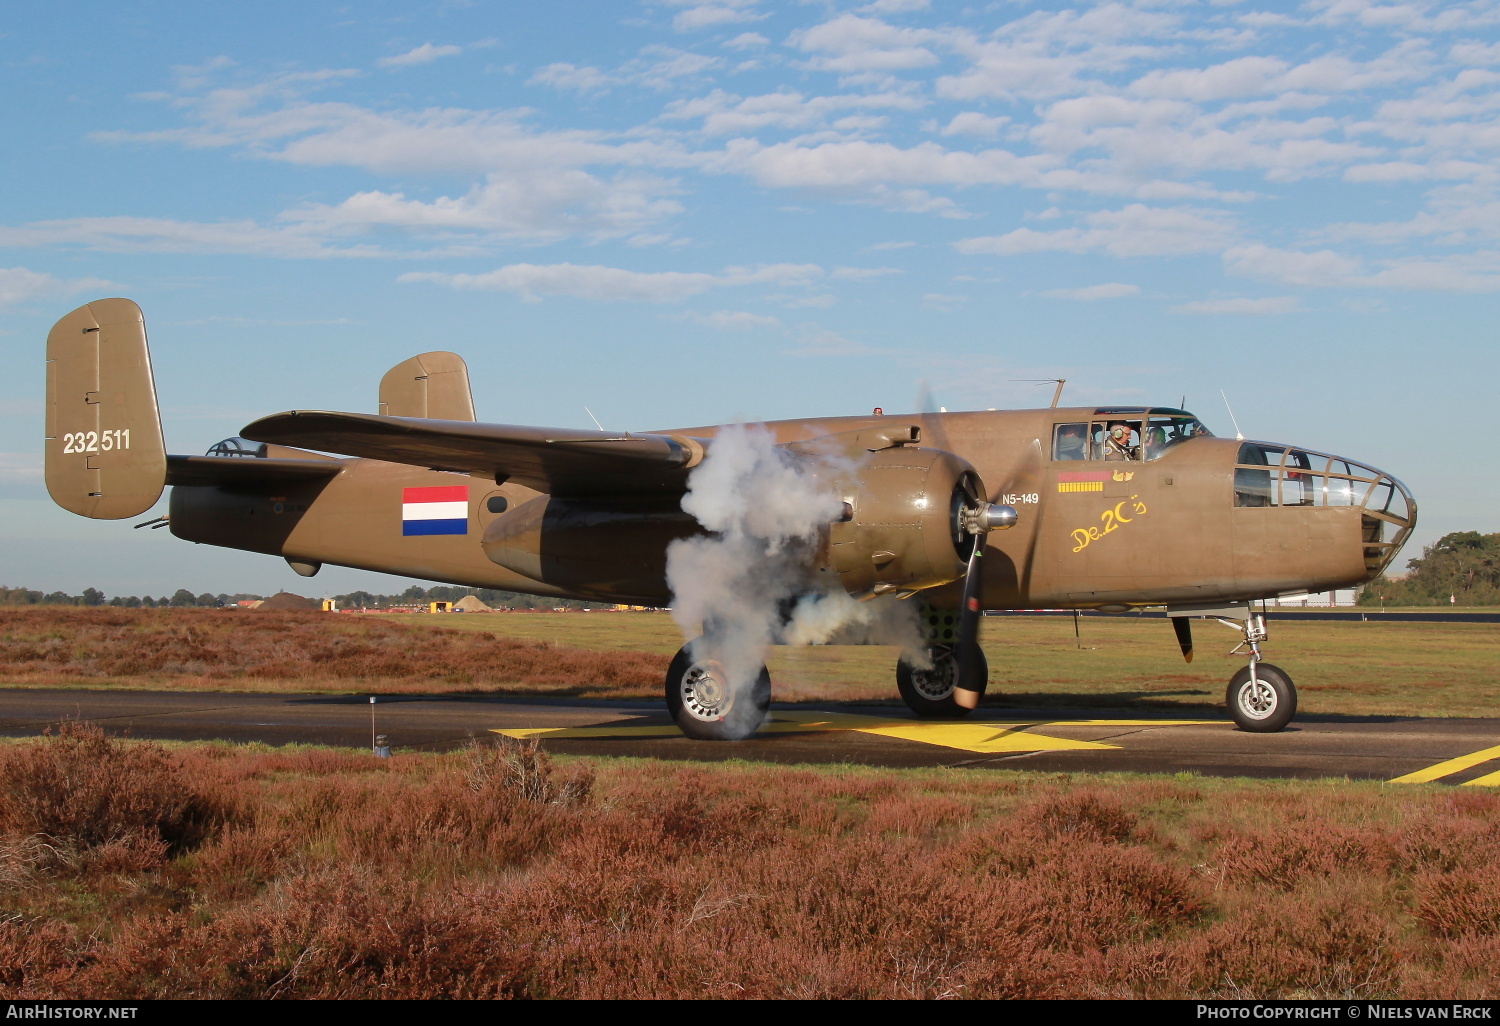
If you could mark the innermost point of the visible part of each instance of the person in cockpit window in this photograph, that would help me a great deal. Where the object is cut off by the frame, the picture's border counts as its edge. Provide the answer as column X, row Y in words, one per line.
column 1070, row 442
column 1117, row 444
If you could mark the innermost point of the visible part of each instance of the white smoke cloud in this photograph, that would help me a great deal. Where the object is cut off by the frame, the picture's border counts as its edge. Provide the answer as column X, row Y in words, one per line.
column 753, row 581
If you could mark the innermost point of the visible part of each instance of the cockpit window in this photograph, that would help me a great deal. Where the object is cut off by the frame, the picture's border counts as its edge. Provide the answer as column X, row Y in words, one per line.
column 1166, row 428
column 1125, row 434
column 237, row 446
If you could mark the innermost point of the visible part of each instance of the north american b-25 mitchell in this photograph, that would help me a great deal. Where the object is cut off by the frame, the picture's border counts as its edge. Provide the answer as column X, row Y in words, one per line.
column 1104, row 508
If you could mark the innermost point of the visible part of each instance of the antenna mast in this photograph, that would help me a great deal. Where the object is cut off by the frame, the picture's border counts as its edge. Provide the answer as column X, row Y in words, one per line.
column 1056, row 393
column 1238, row 436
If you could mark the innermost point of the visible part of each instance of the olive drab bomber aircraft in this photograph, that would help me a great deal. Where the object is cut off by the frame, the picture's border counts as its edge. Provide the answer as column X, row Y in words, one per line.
column 1085, row 508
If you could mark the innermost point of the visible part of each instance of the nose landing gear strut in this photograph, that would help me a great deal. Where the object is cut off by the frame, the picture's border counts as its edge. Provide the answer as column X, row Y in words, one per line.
column 1261, row 697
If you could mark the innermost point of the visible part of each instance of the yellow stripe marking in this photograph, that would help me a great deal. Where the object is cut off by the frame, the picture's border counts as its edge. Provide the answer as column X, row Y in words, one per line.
column 1488, row 780
column 973, row 736
column 1080, row 486
column 1442, row 769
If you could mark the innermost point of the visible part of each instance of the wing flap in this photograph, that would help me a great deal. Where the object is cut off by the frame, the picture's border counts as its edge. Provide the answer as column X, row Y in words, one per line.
column 555, row 460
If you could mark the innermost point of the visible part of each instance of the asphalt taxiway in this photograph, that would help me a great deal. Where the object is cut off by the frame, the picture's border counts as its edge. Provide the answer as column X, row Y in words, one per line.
column 1450, row 751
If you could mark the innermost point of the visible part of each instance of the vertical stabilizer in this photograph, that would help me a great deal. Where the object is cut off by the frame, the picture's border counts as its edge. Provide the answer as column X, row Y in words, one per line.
column 433, row 386
column 103, row 454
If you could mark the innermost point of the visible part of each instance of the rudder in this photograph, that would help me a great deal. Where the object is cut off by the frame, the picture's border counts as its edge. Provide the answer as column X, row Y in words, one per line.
column 103, row 453
column 432, row 386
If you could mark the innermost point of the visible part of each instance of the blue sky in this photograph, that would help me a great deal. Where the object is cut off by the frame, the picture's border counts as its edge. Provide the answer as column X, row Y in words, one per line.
column 684, row 212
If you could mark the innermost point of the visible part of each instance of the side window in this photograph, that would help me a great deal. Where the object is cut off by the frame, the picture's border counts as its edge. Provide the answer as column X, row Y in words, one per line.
column 1070, row 442
column 1298, row 485
column 1252, row 486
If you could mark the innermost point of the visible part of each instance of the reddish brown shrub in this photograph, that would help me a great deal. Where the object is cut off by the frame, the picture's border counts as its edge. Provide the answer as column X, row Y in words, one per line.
column 1286, row 856
column 1338, row 942
column 1082, row 815
column 80, row 787
column 1460, row 902
column 35, row 957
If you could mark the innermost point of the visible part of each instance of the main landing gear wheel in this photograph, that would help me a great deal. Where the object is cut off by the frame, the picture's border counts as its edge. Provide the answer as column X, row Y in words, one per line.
column 1264, row 704
column 929, row 693
column 705, row 706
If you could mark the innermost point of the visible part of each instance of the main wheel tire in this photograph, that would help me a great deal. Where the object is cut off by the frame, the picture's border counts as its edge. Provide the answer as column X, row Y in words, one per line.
column 1265, row 705
column 706, row 708
column 929, row 693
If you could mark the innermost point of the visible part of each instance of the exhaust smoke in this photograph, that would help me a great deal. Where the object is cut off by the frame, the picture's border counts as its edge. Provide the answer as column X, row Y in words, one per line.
column 753, row 581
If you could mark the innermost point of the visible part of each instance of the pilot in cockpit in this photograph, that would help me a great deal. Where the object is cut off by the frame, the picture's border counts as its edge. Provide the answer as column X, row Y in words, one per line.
column 1117, row 442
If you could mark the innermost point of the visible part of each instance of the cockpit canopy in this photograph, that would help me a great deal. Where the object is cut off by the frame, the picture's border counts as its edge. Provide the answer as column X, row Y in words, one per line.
column 1117, row 434
column 237, row 446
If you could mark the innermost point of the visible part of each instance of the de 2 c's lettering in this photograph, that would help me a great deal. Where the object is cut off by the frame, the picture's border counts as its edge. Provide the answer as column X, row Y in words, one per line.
column 1113, row 520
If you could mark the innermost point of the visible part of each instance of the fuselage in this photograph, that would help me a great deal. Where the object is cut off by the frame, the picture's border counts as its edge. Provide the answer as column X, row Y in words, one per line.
column 1166, row 516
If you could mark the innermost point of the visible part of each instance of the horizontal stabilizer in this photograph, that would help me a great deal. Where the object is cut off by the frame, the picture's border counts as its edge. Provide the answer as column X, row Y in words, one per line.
column 555, row 460
column 241, row 472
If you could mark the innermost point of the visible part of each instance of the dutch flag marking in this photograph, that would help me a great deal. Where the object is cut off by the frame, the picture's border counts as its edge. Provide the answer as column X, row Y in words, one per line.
column 435, row 510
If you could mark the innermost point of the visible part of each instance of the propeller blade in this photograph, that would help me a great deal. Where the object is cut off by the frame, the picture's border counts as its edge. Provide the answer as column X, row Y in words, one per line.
column 966, row 692
column 1184, row 629
column 934, row 435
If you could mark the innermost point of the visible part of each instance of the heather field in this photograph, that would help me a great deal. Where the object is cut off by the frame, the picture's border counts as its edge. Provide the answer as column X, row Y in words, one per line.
column 132, row 870
column 225, row 650
column 1341, row 668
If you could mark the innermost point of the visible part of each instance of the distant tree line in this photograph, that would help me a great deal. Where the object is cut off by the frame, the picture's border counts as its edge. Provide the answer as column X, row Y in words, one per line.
column 182, row 598
column 1464, row 566
column 416, row 595
column 94, row 597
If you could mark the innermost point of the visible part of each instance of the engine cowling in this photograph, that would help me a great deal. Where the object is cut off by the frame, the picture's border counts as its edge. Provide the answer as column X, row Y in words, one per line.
column 903, row 526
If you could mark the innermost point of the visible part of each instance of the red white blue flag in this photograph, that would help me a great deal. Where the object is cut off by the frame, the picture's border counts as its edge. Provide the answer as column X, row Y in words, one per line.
column 442, row 510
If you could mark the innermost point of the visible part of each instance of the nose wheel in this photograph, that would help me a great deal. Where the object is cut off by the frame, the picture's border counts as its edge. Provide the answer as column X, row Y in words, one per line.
column 1261, row 698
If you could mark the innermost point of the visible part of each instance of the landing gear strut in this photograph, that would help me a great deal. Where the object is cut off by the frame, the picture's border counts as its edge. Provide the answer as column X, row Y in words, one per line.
column 1261, row 697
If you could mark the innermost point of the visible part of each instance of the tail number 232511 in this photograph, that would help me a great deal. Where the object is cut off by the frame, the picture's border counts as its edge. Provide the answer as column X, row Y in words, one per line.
column 96, row 441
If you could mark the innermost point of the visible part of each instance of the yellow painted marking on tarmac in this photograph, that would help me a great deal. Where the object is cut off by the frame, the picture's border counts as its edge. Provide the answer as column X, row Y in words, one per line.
column 1488, row 780
column 623, row 730
column 1442, row 769
column 971, row 736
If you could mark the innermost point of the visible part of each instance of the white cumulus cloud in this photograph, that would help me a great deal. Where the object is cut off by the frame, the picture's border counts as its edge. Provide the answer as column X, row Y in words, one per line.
column 1241, row 305
column 21, row 284
column 592, row 281
column 423, row 54
column 1135, row 230
column 1089, row 293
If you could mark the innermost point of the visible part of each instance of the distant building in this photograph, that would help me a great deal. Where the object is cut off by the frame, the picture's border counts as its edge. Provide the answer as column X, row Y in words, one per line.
column 1320, row 600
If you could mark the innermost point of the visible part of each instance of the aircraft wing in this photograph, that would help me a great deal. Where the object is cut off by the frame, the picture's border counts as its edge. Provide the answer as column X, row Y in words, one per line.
column 556, row 460
column 245, row 472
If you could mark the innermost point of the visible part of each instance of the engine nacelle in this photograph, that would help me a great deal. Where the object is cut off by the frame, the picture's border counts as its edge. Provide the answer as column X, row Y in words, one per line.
column 612, row 550
column 903, row 523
